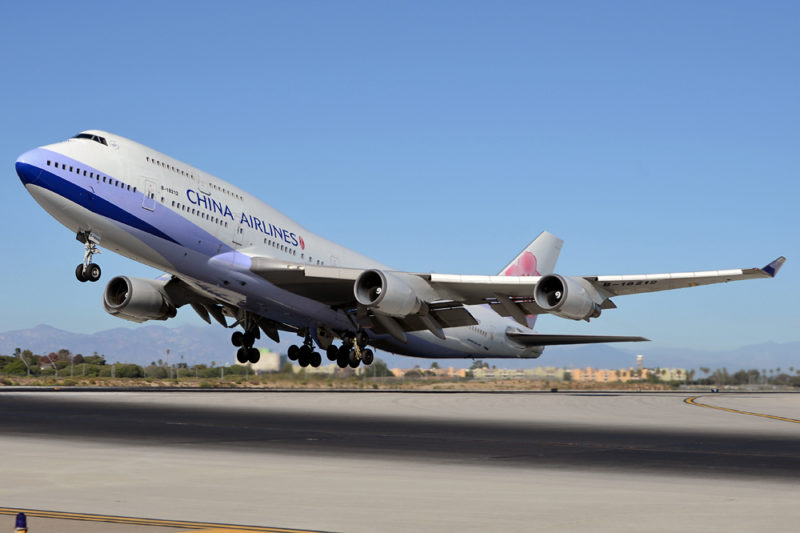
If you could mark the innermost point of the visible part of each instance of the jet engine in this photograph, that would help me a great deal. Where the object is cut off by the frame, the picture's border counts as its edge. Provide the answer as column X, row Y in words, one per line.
column 569, row 297
column 137, row 299
column 386, row 293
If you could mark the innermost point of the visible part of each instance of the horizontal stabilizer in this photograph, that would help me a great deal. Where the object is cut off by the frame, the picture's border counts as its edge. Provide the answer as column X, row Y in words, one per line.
column 544, row 339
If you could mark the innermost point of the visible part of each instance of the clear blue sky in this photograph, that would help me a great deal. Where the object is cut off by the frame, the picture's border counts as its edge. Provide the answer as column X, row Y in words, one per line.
column 441, row 136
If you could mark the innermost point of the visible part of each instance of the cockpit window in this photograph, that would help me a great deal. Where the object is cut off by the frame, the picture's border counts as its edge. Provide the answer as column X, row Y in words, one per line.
column 95, row 138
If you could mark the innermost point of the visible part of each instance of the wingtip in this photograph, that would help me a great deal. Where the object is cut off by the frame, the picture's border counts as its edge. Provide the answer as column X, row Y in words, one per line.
column 773, row 268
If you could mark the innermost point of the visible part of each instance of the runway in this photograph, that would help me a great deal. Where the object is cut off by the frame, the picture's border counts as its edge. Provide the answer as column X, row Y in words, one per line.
column 399, row 462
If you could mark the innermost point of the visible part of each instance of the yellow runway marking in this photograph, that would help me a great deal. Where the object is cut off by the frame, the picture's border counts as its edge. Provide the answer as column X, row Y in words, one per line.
column 692, row 401
column 206, row 527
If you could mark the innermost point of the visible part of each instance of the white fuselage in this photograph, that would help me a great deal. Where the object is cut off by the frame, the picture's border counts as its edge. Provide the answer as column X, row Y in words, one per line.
column 174, row 217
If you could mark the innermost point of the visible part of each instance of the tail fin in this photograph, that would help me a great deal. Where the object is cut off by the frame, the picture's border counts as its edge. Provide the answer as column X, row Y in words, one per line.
column 538, row 259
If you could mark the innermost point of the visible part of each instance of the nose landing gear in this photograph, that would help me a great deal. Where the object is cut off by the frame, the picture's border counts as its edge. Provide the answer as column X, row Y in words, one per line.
column 88, row 271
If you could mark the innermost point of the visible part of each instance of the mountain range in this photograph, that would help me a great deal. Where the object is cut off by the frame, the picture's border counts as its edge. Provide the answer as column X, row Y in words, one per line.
column 196, row 344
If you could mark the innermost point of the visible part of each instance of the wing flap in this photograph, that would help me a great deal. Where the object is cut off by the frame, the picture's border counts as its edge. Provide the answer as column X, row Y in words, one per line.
column 330, row 285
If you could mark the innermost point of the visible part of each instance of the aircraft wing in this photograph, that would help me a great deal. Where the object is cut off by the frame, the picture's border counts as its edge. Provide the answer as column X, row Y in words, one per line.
column 405, row 301
column 619, row 285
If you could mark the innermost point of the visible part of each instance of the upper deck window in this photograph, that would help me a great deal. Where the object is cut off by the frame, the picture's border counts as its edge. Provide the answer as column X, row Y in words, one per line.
column 91, row 137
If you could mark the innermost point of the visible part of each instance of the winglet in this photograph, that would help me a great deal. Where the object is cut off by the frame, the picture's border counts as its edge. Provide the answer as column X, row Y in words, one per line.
column 772, row 268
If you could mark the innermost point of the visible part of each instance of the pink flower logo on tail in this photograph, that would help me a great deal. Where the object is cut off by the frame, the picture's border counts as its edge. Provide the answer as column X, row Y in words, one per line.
column 524, row 266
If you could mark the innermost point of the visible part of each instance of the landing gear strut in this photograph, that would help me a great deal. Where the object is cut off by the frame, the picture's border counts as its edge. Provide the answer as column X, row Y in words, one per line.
column 88, row 271
column 245, row 340
column 353, row 351
column 305, row 354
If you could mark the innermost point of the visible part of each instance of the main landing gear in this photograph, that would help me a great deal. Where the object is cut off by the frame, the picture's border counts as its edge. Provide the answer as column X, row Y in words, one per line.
column 305, row 354
column 88, row 271
column 245, row 340
column 352, row 352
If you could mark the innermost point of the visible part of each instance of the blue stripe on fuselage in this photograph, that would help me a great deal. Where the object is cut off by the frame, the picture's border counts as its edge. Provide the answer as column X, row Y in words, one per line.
column 47, row 180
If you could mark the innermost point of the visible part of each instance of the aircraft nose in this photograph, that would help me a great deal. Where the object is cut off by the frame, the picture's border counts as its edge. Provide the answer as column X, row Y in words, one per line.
column 27, row 169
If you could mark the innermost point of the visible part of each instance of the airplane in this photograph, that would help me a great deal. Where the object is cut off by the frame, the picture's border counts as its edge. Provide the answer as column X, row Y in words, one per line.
column 228, row 255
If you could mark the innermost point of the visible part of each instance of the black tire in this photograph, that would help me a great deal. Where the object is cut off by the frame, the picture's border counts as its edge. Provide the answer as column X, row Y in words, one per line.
column 344, row 351
column 253, row 355
column 332, row 352
column 367, row 356
column 237, row 338
column 293, row 352
column 241, row 355
column 316, row 359
column 248, row 339
column 93, row 272
column 79, row 274
column 342, row 362
column 304, row 356
column 352, row 360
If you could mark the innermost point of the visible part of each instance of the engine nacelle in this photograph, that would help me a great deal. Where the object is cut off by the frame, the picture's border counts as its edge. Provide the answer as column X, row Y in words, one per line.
column 138, row 299
column 386, row 293
column 570, row 297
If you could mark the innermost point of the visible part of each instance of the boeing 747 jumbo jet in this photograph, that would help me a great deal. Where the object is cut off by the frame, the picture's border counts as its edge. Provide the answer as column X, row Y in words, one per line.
column 231, row 257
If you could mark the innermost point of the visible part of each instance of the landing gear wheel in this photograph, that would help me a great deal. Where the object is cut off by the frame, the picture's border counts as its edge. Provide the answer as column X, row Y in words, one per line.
column 253, row 355
column 79, row 274
column 92, row 272
column 304, row 356
column 237, row 339
column 367, row 356
column 332, row 352
column 242, row 356
column 293, row 352
column 248, row 339
column 353, row 360
column 316, row 359
column 342, row 362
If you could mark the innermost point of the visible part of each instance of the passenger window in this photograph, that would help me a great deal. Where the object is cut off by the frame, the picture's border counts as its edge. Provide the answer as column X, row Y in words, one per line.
column 48, row 163
column 104, row 179
column 70, row 169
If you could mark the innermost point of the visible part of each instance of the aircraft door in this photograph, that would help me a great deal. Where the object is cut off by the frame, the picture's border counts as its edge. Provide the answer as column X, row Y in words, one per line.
column 149, row 201
column 202, row 184
column 238, row 233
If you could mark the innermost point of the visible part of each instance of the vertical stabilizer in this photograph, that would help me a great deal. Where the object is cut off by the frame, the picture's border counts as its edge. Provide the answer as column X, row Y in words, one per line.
column 538, row 259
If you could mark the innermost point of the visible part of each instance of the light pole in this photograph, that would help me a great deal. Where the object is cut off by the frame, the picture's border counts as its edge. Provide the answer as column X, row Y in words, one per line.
column 19, row 354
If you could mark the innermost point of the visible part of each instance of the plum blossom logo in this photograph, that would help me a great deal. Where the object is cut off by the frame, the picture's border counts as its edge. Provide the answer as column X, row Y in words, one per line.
column 302, row 243
column 524, row 266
